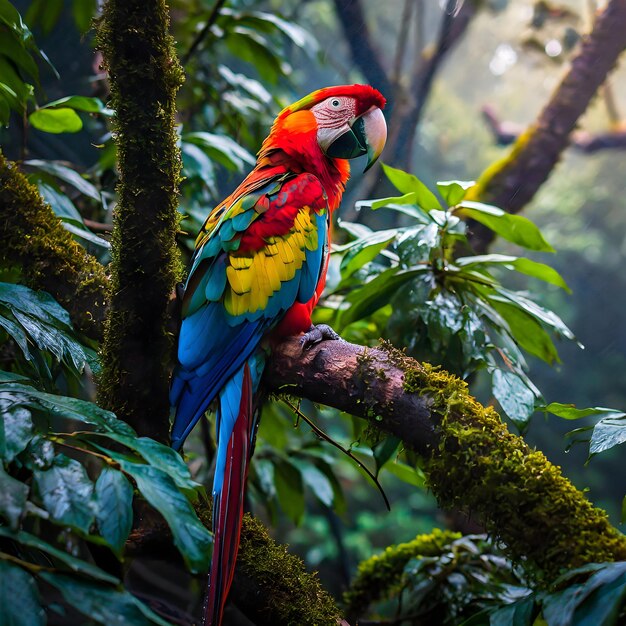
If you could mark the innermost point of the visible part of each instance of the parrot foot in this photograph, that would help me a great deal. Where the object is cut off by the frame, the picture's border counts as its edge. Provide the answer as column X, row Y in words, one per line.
column 318, row 333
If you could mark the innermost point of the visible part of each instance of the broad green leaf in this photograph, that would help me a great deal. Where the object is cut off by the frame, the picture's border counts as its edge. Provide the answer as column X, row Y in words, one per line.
column 453, row 191
column 84, row 11
column 13, row 46
column 608, row 433
column 104, row 605
column 75, row 564
column 80, row 103
column 408, row 183
column 514, row 396
column 196, row 163
column 67, row 493
column 19, row 597
column 288, row 481
column 604, row 605
column 62, row 206
column 559, row 608
column 67, row 175
column 301, row 37
column 16, row 427
column 517, row 614
column 63, row 406
column 550, row 318
column 191, row 538
column 222, row 149
column 114, row 507
column 56, row 121
column 248, row 45
column 317, row 482
column 13, row 495
column 527, row 331
column 407, row 474
column 384, row 450
column 83, row 233
column 407, row 198
column 513, row 228
column 524, row 266
column 161, row 457
column 376, row 294
column 364, row 250
column 570, row 412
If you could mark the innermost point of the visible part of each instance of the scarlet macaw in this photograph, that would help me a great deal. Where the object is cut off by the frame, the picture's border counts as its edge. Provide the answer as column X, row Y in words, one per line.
column 258, row 270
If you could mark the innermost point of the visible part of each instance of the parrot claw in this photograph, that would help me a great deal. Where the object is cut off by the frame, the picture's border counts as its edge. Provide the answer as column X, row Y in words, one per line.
column 318, row 333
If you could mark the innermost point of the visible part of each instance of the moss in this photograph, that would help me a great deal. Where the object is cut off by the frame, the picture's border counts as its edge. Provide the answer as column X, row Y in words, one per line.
column 522, row 498
column 144, row 76
column 381, row 575
column 33, row 241
column 272, row 585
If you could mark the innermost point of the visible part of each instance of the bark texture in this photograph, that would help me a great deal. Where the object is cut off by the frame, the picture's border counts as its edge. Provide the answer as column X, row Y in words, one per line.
column 145, row 76
column 471, row 460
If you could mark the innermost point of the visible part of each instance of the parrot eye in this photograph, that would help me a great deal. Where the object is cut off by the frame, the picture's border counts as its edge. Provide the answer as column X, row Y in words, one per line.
column 335, row 103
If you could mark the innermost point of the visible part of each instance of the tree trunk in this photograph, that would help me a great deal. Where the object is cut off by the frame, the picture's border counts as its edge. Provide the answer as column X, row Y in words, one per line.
column 145, row 77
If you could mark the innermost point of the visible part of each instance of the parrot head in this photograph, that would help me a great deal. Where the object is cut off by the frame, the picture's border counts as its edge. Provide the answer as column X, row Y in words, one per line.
column 347, row 121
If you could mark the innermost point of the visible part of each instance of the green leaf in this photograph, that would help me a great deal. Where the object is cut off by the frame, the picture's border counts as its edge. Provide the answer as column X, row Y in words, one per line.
column 604, row 605
column 519, row 613
column 56, row 121
column 524, row 266
column 406, row 199
column 513, row 228
column 570, row 412
column 13, row 496
column 317, row 482
column 66, row 174
column 453, row 191
column 75, row 564
column 84, row 11
column 19, row 596
column 514, row 396
column 288, row 481
column 161, row 457
column 364, row 250
column 191, row 538
column 62, row 206
column 407, row 183
column 527, row 331
column 300, row 37
column 80, row 103
column 608, row 433
column 384, row 450
column 407, row 473
column 114, row 510
column 111, row 607
column 67, row 493
column 222, row 149
column 63, row 406
column 16, row 428
column 376, row 294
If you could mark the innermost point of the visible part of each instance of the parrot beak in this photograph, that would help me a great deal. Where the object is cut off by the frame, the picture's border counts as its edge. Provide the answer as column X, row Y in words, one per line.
column 366, row 135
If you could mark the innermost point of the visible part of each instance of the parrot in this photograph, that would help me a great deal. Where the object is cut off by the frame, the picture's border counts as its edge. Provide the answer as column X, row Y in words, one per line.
column 258, row 270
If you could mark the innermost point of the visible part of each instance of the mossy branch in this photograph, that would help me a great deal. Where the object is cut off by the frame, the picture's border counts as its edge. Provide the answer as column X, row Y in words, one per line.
column 145, row 76
column 471, row 460
column 512, row 182
column 34, row 242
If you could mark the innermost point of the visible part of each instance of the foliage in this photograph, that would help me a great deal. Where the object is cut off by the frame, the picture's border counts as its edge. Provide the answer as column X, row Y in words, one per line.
column 461, row 314
column 69, row 473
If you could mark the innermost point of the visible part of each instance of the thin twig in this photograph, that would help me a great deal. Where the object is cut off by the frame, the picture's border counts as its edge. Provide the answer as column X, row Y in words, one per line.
column 403, row 37
column 213, row 15
column 322, row 435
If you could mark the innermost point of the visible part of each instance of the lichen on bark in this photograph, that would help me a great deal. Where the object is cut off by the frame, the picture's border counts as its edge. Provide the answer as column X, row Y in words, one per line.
column 144, row 76
column 34, row 243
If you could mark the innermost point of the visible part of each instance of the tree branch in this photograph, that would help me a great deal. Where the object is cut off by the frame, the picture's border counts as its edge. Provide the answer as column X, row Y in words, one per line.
column 512, row 182
column 145, row 76
column 470, row 458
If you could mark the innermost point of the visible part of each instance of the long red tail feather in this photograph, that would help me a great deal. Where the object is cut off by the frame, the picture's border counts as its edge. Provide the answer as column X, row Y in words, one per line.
column 228, row 509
